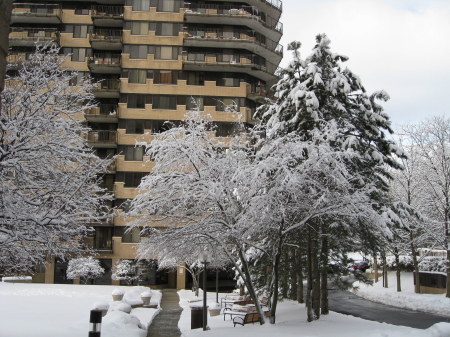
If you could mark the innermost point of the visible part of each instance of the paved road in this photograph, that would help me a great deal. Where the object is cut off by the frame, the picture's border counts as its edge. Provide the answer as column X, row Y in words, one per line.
column 348, row 303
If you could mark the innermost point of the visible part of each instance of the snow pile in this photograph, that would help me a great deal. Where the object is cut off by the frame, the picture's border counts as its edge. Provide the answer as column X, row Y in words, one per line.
column 119, row 323
column 437, row 304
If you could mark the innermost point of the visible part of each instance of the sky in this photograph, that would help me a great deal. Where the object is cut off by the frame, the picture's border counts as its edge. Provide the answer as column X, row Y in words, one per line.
column 400, row 46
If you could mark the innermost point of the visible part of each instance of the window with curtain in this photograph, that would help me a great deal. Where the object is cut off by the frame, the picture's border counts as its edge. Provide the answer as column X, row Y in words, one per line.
column 195, row 78
column 134, row 126
column 131, row 236
column 78, row 54
column 80, row 31
column 166, row 53
column 141, row 5
column 139, row 28
column 136, row 101
column 165, row 77
column 134, row 153
column 168, row 6
column 137, row 76
column 138, row 52
column 167, row 29
column 165, row 102
column 194, row 103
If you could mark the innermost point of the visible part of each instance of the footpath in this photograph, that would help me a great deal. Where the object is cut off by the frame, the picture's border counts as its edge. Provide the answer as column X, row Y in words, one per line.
column 165, row 324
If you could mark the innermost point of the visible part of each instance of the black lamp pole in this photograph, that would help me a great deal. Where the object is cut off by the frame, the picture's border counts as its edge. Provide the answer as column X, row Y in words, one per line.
column 205, row 314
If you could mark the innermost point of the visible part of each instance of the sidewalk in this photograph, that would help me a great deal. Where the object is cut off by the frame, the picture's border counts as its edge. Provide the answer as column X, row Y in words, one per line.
column 165, row 324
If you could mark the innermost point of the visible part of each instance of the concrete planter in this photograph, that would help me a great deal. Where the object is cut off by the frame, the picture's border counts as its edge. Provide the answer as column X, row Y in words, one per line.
column 117, row 297
column 146, row 300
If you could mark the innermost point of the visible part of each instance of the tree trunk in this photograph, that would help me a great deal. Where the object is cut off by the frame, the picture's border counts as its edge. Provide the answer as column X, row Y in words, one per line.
column 300, row 288
column 385, row 273
column 293, row 280
column 309, row 286
column 315, row 274
column 415, row 264
column 375, row 267
column 397, row 267
column 275, row 283
column 245, row 274
column 324, row 277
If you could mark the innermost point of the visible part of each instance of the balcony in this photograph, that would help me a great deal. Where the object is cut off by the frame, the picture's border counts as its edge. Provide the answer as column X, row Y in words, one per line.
column 27, row 37
column 249, row 16
column 241, row 63
column 104, row 113
column 240, row 39
column 105, row 63
column 107, row 16
column 271, row 7
column 102, row 139
column 36, row 13
column 109, row 88
column 15, row 59
column 106, row 39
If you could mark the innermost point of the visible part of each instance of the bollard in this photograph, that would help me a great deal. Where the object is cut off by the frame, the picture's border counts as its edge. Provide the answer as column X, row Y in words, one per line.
column 95, row 323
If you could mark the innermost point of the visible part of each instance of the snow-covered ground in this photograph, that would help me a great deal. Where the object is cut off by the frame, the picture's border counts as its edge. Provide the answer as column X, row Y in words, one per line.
column 437, row 304
column 46, row 310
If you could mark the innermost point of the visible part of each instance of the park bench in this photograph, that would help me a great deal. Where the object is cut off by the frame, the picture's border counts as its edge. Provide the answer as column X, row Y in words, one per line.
column 251, row 317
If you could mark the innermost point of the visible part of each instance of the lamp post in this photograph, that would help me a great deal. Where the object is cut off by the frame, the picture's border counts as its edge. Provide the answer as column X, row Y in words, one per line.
column 205, row 258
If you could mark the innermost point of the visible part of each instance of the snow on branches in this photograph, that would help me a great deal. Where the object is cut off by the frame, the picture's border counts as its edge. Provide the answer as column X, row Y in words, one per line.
column 49, row 176
column 87, row 269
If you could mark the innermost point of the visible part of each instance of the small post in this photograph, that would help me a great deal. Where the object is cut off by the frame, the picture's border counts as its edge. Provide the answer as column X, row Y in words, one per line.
column 205, row 259
column 95, row 323
column 217, row 285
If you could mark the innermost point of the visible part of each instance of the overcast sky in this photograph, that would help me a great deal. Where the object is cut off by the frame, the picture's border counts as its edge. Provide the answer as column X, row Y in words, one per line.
column 401, row 46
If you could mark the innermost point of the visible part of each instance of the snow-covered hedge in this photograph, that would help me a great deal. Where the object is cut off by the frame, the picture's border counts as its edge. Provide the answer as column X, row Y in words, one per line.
column 433, row 263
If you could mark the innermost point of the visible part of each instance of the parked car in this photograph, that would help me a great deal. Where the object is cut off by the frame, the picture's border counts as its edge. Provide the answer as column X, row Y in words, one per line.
column 360, row 266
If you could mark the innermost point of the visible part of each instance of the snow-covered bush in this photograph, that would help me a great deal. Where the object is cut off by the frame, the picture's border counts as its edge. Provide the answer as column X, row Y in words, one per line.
column 85, row 268
column 405, row 262
column 125, row 270
column 121, row 306
column 433, row 264
column 146, row 294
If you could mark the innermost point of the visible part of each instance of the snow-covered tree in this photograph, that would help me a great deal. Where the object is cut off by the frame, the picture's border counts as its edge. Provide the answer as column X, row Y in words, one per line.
column 87, row 269
column 431, row 142
column 193, row 193
column 125, row 270
column 49, row 177
column 312, row 93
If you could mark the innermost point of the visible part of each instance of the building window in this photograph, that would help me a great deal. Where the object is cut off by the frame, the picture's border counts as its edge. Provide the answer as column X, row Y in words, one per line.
column 165, row 102
column 168, row 6
column 167, row 29
column 228, row 80
column 194, row 103
column 136, row 101
column 166, row 53
column 132, row 179
column 80, row 31
column 138, row 52
column 137, row 76
column 227, row 104
column 78, row 78
column 78, row 54
column 133, row 126
column 131, row 236
column 103, row 238
column 165, row 77
column 195, row 78
column 82, row 11
column 139, row 28
column 141, row 5
column 132, row 153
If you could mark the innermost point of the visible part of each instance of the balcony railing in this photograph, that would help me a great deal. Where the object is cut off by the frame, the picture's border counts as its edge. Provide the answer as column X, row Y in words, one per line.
column 278, row 4
column 112, row 60
column 102, row 136
column 247, row 59
column 230, row 10
column 109, row 35
column 33, row 34
column 240, row 34
column 107, row 85
column 103, row 110
column 26, row 9
column 107, row 12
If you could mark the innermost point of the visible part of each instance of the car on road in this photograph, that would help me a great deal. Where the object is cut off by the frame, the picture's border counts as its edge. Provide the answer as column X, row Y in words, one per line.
column 360, row 266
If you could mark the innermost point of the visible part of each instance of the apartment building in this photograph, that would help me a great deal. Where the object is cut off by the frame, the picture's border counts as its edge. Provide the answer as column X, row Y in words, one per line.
column 152, row 58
